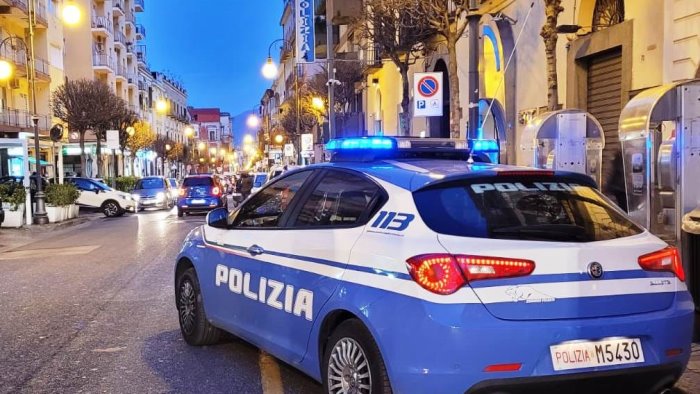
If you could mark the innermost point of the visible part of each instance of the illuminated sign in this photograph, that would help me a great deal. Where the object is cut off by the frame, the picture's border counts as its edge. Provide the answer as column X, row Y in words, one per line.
column 306, row 38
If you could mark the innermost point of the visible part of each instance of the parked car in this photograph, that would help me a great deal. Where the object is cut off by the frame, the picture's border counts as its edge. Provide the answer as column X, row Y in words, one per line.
column 97, row 195
column 259, row 180
column 174, row 189
column 200, row 193
column 153, row 192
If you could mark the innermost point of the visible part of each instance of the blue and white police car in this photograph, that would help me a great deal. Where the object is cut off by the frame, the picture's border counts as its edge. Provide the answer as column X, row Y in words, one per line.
column 401, row 266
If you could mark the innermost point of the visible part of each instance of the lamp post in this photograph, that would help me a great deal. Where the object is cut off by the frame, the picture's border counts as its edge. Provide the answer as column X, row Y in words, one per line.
column 71, row 16
column 270, row 69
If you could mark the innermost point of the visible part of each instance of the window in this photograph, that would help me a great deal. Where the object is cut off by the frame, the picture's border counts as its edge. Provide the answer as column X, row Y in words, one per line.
column 268, row 205
column 84, row 184
column 150, row 183
column 543, row 210
column 198, row 181
column 341, row 199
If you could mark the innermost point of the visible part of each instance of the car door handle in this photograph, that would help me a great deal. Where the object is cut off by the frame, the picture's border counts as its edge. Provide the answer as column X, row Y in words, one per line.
column 255, row 250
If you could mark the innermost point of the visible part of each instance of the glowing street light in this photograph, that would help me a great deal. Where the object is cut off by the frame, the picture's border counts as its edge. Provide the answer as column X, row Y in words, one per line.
column 212, row 151
column 270, row 70
column 71, row 14
column 131, row 131
column 248, row 139
column 318, row 103
column 6, row 70
column 279, row 138
column 162, row 106
column 253, row 121
column 201, row 146
column 189, row 131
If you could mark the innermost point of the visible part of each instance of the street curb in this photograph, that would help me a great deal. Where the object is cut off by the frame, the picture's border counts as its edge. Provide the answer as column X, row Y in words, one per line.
column 35, row 230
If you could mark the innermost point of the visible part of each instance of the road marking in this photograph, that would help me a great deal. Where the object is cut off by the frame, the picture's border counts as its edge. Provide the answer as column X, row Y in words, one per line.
column 270, row 374
column 39, row 253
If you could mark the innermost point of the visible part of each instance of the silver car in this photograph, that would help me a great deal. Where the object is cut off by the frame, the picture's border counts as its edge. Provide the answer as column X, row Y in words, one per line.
column 153, row 192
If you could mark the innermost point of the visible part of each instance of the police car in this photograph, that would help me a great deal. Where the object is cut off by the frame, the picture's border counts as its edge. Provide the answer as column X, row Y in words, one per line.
column 408, row 266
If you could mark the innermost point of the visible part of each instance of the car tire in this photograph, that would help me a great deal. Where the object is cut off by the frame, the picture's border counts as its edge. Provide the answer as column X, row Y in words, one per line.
column 111, row 208
column 338, row 372
column 194, row 326
column 180, row 213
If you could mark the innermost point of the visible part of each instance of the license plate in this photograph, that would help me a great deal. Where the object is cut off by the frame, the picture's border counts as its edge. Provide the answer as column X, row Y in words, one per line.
column 198, row 202
column 590, row 354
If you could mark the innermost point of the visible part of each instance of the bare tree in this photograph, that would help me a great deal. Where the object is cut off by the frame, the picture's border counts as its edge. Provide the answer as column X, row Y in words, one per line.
column 124, row 119
column 109, row 109
column 396, row 29
column 552, row 9
column 73, row 103
column 309, row 117
column 447, row 17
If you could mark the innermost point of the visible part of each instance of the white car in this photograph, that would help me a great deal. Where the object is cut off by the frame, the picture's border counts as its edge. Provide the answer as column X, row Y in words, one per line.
column 95, row 194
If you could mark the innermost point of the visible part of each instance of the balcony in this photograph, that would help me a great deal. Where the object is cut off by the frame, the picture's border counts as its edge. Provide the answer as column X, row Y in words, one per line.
column 42, row 69
column 41, row 19
column 140, row 32
column 118, row 7
column 139, row 6
column 121, row 73
column 131, row 79
column 22, row 5
column 17, row 118
column 130, row 20
column 141, row 54
column 346, row 11
column 372, row 59
column 119, row 39
column 101, row 25
column 142, row 86
column 102, row 62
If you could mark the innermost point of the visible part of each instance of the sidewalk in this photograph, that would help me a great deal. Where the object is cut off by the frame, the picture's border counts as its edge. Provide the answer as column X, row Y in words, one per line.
column 12, row 238
column 690, row 381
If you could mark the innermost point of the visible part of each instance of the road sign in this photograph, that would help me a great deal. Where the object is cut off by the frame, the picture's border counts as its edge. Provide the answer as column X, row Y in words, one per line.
column 289, row 150
column 113, row 139
column 307, row 143
column 428, row 93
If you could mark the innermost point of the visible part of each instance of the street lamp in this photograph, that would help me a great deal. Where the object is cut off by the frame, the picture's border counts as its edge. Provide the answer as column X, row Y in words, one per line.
column 201, row 146
column 189, row 131
column 253, row 121
column 71, row 14
column 131, row 131
column 162, row 106
column 318, row 103
column 270, row 69
column 279, row 139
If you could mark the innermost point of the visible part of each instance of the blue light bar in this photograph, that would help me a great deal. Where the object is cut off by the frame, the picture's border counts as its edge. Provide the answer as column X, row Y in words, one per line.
column 361, row 143
column 485, row 146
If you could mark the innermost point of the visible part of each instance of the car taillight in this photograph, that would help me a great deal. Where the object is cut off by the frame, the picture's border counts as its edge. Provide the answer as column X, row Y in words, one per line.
column 438, row 273
column 666, row 259
column 480, row 267
column 446, row 273
column 215, row 191
column 183, row 191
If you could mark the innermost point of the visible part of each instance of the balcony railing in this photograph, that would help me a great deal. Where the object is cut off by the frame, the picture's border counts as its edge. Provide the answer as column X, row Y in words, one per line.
column 120, row 37
column 101, row 22
column 139, row 5
column 119, row 4
column 142, row 85
column 23, row 119
column 42, row 68
column 132, row 78
column 141, row 53
column 121, row 71
column 102, row 60
column 130, row 19
column 140, row 30
column 41, row 13
column 372, row 57
column 21, row 4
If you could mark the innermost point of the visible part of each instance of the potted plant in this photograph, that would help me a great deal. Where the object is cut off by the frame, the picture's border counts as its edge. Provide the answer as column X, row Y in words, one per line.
column 60, row 202
column 13, row 199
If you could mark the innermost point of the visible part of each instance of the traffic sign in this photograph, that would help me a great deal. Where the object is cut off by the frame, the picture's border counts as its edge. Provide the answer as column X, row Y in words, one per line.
column 428, row 93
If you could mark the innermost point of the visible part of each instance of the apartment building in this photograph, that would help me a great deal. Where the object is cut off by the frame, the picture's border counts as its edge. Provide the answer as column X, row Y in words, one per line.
column 16, row 107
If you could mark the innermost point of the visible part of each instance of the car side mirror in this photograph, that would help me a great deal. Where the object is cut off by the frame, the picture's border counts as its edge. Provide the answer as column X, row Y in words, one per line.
column 97, row 191
column 218, row 218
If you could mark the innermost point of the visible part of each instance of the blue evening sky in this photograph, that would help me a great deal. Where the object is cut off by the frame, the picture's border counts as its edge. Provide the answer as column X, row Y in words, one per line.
column 215, row 47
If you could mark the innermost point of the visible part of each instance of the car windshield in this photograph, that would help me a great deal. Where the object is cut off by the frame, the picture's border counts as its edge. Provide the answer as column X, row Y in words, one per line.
column 260, row 180
column 531, row 209
column 173, row 182
column 102, row 186
column 149, row 183
column 198, row 181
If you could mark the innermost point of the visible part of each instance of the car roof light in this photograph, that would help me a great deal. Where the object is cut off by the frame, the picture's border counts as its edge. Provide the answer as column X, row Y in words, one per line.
column 481, row 145
column 361, row 143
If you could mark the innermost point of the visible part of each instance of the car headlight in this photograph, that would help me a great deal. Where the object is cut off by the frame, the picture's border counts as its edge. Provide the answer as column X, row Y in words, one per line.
column 160, row 196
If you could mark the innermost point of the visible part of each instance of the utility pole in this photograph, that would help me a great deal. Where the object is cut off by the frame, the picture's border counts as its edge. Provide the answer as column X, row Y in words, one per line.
column 330, row 49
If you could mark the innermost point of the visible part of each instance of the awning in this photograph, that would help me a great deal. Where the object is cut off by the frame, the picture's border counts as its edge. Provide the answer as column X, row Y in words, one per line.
column 32, row 160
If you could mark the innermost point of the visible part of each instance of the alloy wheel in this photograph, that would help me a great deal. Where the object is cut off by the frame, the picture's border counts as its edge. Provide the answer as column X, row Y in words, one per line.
column 111, row 209
column 348, row 369
column 187, row 306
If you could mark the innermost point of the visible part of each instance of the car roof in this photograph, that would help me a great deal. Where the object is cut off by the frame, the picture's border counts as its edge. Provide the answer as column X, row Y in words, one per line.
column 415, row 174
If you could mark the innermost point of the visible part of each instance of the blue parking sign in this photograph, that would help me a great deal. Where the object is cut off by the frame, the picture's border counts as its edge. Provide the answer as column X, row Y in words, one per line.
column 421, row 104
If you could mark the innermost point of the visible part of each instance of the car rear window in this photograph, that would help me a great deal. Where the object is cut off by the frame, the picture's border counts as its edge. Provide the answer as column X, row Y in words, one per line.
column 198, row 181
column 533, row 209
column 149, row 183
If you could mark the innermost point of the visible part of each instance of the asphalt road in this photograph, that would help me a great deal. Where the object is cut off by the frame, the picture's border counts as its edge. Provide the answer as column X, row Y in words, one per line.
column 92, row 310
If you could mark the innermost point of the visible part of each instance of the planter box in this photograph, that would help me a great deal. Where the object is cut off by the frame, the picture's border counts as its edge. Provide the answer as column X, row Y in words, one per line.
column 14, row 219
column 60, row 214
